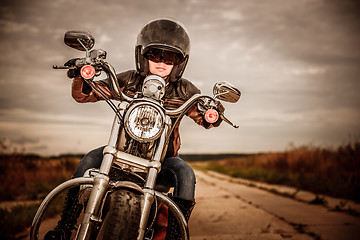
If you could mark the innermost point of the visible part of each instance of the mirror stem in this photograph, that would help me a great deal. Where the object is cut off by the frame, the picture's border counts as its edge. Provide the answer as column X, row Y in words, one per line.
column 86, row 50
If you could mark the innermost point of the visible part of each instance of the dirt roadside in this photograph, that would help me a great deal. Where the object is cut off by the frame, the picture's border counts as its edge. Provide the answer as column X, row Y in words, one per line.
column 229, row 210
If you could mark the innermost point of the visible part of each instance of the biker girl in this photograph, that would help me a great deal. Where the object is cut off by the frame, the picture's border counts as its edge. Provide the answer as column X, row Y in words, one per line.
column 162, row 48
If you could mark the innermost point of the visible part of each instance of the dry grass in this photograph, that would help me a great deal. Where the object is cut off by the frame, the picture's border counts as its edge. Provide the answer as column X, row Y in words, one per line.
column 28, row 177
column 331, row 171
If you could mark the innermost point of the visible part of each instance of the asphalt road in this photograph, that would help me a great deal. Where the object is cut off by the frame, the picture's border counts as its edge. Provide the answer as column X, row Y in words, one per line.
column 228, row 210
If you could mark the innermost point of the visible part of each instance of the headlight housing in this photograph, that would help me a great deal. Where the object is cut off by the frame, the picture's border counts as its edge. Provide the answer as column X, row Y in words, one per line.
column 144, row 122
column 153, row 87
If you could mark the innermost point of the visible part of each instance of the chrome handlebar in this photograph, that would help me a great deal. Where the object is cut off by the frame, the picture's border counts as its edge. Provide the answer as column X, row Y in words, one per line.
column 119, row 95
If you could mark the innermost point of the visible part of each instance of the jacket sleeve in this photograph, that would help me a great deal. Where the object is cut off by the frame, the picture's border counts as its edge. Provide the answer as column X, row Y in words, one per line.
column 82, row 93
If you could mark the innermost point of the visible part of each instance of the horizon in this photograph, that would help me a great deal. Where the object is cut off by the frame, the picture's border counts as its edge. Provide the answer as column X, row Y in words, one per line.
column 9, row 151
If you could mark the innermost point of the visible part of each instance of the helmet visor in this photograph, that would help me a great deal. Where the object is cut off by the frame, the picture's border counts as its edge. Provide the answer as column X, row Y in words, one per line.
column 160, row 55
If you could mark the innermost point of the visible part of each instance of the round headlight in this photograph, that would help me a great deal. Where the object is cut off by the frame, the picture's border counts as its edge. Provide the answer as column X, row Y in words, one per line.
column 144, row 122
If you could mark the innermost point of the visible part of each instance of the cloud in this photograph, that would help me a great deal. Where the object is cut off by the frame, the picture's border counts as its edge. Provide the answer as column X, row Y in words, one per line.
column 296, row 63
column 25, row 115
column 16, row 27
column 104, row 39
column 232, row 15
column 310, row 70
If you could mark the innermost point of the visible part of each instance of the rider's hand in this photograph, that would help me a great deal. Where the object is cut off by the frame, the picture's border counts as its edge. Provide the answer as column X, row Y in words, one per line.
column 208, row 125
column 71, row 73
column 195, row 115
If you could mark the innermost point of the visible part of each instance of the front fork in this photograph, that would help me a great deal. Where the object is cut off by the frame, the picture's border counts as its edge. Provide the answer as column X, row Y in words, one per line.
column 100, row 187
column 101, row 183
column 149, row 193
column 148, row 200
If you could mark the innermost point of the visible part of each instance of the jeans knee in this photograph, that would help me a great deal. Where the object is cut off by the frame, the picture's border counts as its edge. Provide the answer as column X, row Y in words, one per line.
column 187, row 174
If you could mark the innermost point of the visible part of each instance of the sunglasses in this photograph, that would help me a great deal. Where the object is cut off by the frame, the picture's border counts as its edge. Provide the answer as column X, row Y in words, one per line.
column 158, row 55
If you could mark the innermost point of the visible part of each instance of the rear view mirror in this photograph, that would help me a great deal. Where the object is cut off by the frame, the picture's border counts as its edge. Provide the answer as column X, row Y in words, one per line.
column 226, row 92
column 79, row 40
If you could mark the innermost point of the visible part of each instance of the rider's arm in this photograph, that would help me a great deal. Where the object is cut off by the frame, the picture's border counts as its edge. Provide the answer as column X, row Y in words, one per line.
column 83, row 93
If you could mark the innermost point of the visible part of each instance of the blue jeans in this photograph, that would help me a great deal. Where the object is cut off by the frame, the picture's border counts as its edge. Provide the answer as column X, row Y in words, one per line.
column 175, row 172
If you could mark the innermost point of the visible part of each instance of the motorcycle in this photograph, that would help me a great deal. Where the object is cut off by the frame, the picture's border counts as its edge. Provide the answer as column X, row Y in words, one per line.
column 122, row 195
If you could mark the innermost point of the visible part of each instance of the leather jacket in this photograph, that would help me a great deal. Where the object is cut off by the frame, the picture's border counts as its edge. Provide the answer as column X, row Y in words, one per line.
column 176, row 94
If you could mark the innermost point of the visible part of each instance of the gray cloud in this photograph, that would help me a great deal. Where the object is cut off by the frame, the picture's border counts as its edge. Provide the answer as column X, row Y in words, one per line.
column 296, row 62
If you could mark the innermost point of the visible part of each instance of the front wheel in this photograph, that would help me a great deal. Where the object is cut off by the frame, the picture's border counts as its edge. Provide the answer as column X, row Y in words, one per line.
column 123, row 218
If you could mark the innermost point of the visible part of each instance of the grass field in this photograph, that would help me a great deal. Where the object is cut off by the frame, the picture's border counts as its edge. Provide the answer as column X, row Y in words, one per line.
column 29, row 177
column 329, row 171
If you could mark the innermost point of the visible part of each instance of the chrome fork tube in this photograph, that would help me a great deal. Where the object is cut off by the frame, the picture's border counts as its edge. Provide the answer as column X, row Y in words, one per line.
column 149, row 193
column 101, row 184
column 91, row 213
column 147, row 202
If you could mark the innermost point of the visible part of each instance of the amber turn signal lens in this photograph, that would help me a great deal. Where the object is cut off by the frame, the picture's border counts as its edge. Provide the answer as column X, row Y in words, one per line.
column 87, row 72
column 211, row 115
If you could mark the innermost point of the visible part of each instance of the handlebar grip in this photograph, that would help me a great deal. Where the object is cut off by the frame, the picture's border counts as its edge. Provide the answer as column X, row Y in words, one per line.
column 71, row 73
column 61, row 67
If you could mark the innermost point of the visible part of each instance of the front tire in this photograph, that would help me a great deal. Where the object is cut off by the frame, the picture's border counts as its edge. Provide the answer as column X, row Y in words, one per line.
column 123, row 218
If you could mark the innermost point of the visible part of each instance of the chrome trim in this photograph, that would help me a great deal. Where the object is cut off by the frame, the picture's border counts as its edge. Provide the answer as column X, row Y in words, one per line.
column 139, row 104
column 158, row 155
column 226, row 92
column 187, row 104
column 55, row 192
column 149, row 197
column 153, row 87
column 132, row 160
column 114, row 83
column 108, row 159
column 101, row 184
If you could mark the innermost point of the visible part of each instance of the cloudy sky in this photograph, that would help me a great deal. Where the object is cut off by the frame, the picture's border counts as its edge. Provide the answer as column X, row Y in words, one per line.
column 297, row 64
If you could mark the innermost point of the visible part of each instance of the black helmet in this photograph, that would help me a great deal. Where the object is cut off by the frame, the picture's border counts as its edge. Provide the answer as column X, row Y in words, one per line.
column 163, row 34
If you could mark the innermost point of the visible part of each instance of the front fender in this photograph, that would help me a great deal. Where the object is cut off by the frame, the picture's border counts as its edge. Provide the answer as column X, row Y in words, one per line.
column 129, row 185
column 45, row 203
